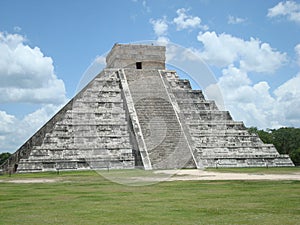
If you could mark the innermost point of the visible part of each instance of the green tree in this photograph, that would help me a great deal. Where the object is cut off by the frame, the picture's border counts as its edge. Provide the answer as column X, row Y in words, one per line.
column 265, row 136
column 4, row 156
column 285, row 139
column 253, row 130
column 295, row 156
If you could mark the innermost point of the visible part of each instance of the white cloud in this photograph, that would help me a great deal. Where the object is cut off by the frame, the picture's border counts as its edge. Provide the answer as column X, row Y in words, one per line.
column 234, row 77
column 245, row 101
column 288, row 97
column 235, row 20
column 40, row 116
column 6, row 123
column 253, row 55
column 289, row 90
column 26, row 74
column 14, row 132
column 160, row 26
column 255, row 104
column 162, row 41
column 288, row 9
column 184, row 21
column 218, row 50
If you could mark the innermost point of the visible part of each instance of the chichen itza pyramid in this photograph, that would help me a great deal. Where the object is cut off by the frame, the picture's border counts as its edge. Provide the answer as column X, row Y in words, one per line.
column 137, row 114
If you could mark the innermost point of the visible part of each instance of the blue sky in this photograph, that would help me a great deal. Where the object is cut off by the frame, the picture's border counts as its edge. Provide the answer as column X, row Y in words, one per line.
column 252, row 47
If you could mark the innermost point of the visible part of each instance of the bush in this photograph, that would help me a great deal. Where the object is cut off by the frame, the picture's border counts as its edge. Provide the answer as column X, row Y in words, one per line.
column 4, row 156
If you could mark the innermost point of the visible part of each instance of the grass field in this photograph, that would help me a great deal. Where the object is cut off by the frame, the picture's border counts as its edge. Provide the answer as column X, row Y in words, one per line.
column 88, row 198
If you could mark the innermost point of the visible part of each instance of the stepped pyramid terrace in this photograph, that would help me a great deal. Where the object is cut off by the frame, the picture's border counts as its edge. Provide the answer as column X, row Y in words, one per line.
column 137, row 114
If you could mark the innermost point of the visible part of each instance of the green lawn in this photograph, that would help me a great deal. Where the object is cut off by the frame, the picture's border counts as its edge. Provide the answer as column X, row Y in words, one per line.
column 88, row 198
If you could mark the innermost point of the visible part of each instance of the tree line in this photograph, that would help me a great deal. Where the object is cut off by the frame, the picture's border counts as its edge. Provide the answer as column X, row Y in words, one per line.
column 285, row 139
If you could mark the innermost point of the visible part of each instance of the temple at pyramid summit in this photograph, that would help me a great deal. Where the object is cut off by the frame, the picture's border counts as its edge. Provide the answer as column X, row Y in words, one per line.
column 137, row 114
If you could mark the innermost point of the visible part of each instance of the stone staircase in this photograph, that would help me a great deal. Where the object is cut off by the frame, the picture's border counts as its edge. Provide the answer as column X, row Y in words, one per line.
column 164, row 137
column 216, row 139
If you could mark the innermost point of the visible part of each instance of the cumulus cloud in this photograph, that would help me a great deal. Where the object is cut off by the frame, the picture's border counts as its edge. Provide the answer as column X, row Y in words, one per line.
column 235, row 20
column 14, row 132
column 253, row 55
column 26, row 74
column 160, row 26
column 289, row 90
column 6, row 123
column 164, row 41
column 184, row 21
column 240, row 94
column 256, row 104
column 233, row 78
column 288, row 95
column 287, row 9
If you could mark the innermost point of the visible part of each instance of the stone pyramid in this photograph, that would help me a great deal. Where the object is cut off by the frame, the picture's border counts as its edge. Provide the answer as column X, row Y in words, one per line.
column 135, row 113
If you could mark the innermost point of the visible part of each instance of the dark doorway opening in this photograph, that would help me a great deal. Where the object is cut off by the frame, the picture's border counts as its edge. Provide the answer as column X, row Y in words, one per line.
column 139, row 65
column 15, row 168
